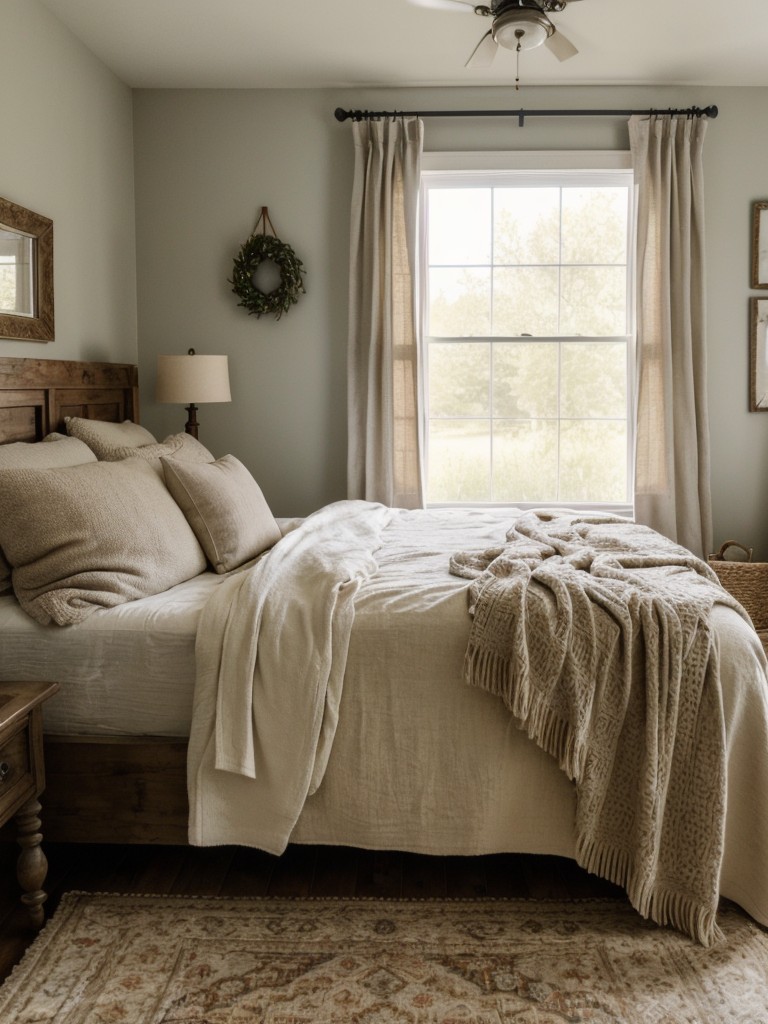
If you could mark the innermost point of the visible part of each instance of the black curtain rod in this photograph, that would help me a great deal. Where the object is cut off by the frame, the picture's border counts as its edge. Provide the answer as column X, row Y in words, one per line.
column 370, row 115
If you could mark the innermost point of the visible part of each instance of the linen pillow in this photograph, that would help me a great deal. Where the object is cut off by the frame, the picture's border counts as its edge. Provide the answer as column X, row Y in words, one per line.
column 55, row 451
column 180, row 446
column 92, row 536
column 225, row 507
column 67, row 451
column 102, row 436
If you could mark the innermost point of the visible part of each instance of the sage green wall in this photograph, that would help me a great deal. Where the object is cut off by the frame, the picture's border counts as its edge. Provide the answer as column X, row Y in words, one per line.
column 67, row 153
column 206, row 161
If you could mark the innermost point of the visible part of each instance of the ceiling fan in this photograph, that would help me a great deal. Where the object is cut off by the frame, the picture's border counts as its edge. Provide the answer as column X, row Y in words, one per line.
column 516, row 25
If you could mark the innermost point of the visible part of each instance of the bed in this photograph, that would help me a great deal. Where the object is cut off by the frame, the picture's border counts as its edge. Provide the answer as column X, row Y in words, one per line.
column 109, row 787
column 415, row 759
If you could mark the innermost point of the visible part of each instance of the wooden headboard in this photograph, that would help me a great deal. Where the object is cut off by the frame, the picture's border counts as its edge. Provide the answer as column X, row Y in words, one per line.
column 36, row 395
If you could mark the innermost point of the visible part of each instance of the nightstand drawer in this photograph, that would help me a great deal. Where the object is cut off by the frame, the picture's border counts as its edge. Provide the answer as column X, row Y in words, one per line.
column 17, row 783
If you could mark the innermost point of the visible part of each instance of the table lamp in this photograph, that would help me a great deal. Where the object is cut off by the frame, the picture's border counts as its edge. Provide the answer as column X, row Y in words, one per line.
column 192, row 379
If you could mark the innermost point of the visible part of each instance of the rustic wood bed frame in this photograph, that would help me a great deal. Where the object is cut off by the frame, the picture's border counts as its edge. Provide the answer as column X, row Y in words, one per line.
column 122, row 789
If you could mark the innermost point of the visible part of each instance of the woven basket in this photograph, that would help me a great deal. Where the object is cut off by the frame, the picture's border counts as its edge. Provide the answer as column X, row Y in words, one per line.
column 746, row 581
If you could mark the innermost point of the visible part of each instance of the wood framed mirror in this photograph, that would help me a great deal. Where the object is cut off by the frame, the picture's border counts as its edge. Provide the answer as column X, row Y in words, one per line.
column 26, row 274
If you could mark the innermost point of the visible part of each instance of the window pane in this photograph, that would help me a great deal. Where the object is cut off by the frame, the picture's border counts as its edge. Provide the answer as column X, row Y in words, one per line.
column 593, row 461
column 594, row 301
column 527, row 319
column 458, row 378
column 459, row 303
column 459, row 226
column 593, row 379
column 459, row 460
column 524, row 379
column 525, row 301
column 526, row 226
column 595, row 225
column 525, row 460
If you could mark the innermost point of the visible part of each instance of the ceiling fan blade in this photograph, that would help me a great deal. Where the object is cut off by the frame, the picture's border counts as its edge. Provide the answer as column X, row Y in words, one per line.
column 562, row 48
column 460, row 6
column 483, row 54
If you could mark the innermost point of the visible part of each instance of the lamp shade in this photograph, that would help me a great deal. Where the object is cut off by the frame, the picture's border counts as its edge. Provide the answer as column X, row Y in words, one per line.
column 192, row 379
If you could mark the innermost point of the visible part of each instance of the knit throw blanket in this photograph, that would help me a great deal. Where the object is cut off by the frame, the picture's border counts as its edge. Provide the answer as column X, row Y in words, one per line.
column 595, row 632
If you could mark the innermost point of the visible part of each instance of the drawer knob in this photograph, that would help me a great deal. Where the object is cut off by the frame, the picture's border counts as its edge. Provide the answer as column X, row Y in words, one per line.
column 5, row 770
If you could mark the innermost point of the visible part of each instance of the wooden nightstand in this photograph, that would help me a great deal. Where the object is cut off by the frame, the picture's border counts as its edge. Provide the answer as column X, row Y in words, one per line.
column 22, row 780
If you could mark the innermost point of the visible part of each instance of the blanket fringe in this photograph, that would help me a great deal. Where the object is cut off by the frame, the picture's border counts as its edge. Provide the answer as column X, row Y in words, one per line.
column 653, row 902
column 491, row 672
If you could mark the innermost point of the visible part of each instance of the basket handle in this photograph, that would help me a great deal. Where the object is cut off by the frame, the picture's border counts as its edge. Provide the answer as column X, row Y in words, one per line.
column 720, row 556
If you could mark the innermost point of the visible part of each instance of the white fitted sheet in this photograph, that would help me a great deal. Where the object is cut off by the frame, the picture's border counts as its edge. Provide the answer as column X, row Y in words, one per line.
column 125, row 670
column 128, row 670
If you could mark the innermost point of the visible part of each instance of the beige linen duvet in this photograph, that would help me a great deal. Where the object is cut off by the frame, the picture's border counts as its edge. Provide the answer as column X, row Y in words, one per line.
column 416, row 759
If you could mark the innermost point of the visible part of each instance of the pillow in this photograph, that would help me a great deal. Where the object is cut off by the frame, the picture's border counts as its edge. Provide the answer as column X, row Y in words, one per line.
column 67, row 451
column 189, row 449
column 180, row 446
column 102, row 436
column 55, row 451
column 92, row 536
column 225, row 507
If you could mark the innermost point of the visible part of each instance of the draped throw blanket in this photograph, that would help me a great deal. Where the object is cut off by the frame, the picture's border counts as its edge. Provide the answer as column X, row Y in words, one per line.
column 271, row 651
column 595, row 632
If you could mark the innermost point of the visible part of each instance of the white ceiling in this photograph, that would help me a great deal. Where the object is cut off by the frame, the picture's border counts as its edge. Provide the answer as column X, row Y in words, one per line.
column 330, row 43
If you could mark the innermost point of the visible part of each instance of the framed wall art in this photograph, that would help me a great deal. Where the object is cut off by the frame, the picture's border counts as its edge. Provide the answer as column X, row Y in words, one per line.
column 760, row 245
column 758, row 347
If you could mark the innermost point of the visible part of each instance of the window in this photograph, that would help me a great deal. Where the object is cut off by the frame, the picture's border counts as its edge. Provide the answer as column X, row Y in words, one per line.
column 527, row 319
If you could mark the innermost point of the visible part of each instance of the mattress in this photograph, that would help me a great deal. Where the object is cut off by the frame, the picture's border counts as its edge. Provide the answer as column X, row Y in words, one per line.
column 128, row 670
column 125, row 670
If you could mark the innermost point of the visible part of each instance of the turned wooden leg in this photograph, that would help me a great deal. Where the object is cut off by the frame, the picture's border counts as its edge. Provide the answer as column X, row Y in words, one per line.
column 32, row 866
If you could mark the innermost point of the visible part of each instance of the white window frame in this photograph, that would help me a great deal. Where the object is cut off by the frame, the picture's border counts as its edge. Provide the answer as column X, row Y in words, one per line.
column 458, row 168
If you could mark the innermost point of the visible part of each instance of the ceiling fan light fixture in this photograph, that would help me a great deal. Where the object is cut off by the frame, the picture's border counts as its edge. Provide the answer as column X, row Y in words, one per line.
column 523, row 27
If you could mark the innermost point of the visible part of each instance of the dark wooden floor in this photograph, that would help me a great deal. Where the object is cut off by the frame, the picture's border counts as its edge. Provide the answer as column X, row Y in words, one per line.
column 301, row 871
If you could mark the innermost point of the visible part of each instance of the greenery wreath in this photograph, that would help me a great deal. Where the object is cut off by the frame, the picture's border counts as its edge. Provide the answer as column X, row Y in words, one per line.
column 254, row 251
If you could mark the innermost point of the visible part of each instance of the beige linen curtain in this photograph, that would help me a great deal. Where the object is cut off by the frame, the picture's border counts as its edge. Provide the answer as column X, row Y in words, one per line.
column 672, row 486
column 385, row 444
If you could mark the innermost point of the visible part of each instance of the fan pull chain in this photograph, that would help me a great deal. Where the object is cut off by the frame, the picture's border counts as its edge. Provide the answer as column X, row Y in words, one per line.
column 519, row 47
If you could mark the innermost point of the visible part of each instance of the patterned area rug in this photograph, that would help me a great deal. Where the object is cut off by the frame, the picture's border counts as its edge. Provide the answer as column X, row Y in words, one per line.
column 153, row 959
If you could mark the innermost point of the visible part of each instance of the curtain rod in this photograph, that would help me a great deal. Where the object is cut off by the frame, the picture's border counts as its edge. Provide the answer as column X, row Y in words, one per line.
column 369, row 115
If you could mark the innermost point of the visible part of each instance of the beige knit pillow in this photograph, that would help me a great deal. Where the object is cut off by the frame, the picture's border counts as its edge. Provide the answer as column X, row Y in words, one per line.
column 66, row 451
column 92, row 536
column 54, row 452
column 102, row 436
column 225, row 507
column 180, row 446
